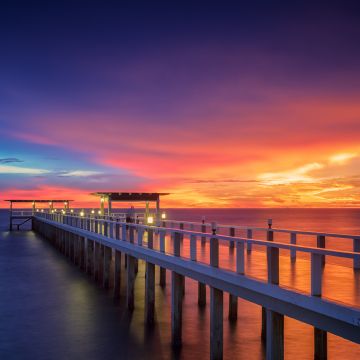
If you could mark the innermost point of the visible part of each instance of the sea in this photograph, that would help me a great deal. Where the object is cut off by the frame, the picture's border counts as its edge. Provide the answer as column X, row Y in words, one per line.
column 49, row 309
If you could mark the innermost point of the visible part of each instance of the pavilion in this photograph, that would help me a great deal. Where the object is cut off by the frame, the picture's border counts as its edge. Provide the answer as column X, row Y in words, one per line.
column 146, row 198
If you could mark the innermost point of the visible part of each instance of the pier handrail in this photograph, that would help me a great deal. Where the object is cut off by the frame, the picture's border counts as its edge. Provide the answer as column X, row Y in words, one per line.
column 196, row 234
column 289, row 301
column 275, row 230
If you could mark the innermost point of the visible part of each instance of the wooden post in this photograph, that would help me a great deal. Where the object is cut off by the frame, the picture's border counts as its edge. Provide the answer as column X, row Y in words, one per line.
column 106, row 269
column 320, row 344
column 117, row 274
column 203, row 229
column 356, row 249
column 162, row 249
column 275, row 335
column 96, row 260
column 249, row 235
column 150, row 293
column 130, row 272
column 216, row 305
column 176, row 298
column 233, row 304
column 214, row 248
column 320, row 336
column 90, row 257
column 232, row 234
column 101, row 264
column 201, row 294
column 321, row 244
column 274, row 321
column 293, row 251
column 240, row 269
column 271, row 272
column 150, row 285
column 82, row 253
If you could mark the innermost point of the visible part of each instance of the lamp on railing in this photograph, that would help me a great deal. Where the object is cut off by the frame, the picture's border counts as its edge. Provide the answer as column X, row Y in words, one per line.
column 150, row 220
column 93, row 211
column 71, row 210
column 82, row 213
column 99, row 212
column 163, row 216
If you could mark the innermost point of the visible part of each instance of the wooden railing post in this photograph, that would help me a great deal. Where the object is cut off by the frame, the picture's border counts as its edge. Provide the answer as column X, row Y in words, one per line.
column 274, row 321
column 232, row 234
column 106, row 270
column 203, row 229
column 249, row 235
column 150, row 285
column 320, row 243
column 356, row 249
column 177, row 282
column 162, row 235
column 216, row 304
column 320, row 336
column 90, row 257
column 130, row 272
column 293, row 242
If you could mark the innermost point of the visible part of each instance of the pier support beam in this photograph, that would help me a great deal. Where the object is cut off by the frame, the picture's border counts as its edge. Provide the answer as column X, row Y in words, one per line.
column 162, row 277
column 233, row 305
column 150, row 285
column 150, row 293
column 106, row 268
column 320, row 344
column 216, row 324
column 274, row 336
column 90, row 257
column 130, row 274
column 117, row 274
column 201, row 294
column 216, row 304
column 177, row 282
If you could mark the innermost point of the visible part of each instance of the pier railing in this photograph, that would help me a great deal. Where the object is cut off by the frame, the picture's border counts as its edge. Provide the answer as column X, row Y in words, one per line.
column 91, row 240
column 233, row 230
column 117, row 228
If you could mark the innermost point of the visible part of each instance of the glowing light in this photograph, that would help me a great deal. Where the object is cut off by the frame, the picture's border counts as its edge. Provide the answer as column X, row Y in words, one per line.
column 37, row 210
column 93, row 211
column 42, row 210
column 71, row 210
column 52, row 211
column 102, row 199
column 150, row 220
column 82, row 213
column 99, row 212
column 163, row 216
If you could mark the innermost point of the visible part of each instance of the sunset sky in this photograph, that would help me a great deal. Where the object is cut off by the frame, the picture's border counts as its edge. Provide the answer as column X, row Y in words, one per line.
column 222, row 105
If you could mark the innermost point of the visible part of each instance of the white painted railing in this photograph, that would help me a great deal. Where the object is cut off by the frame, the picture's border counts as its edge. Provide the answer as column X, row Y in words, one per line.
column 116, row 229
column 22, row 213
column 320, row 237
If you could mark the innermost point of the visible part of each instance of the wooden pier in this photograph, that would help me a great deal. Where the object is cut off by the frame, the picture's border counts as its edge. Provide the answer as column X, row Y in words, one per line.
column 94, row 242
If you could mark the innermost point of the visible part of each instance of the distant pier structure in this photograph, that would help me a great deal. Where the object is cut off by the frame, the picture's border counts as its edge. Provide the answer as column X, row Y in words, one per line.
column 129, row 197
column 19, row 217
column 100, row 243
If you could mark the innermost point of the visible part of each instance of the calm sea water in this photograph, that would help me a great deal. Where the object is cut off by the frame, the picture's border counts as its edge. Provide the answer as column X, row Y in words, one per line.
column 51, row 310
